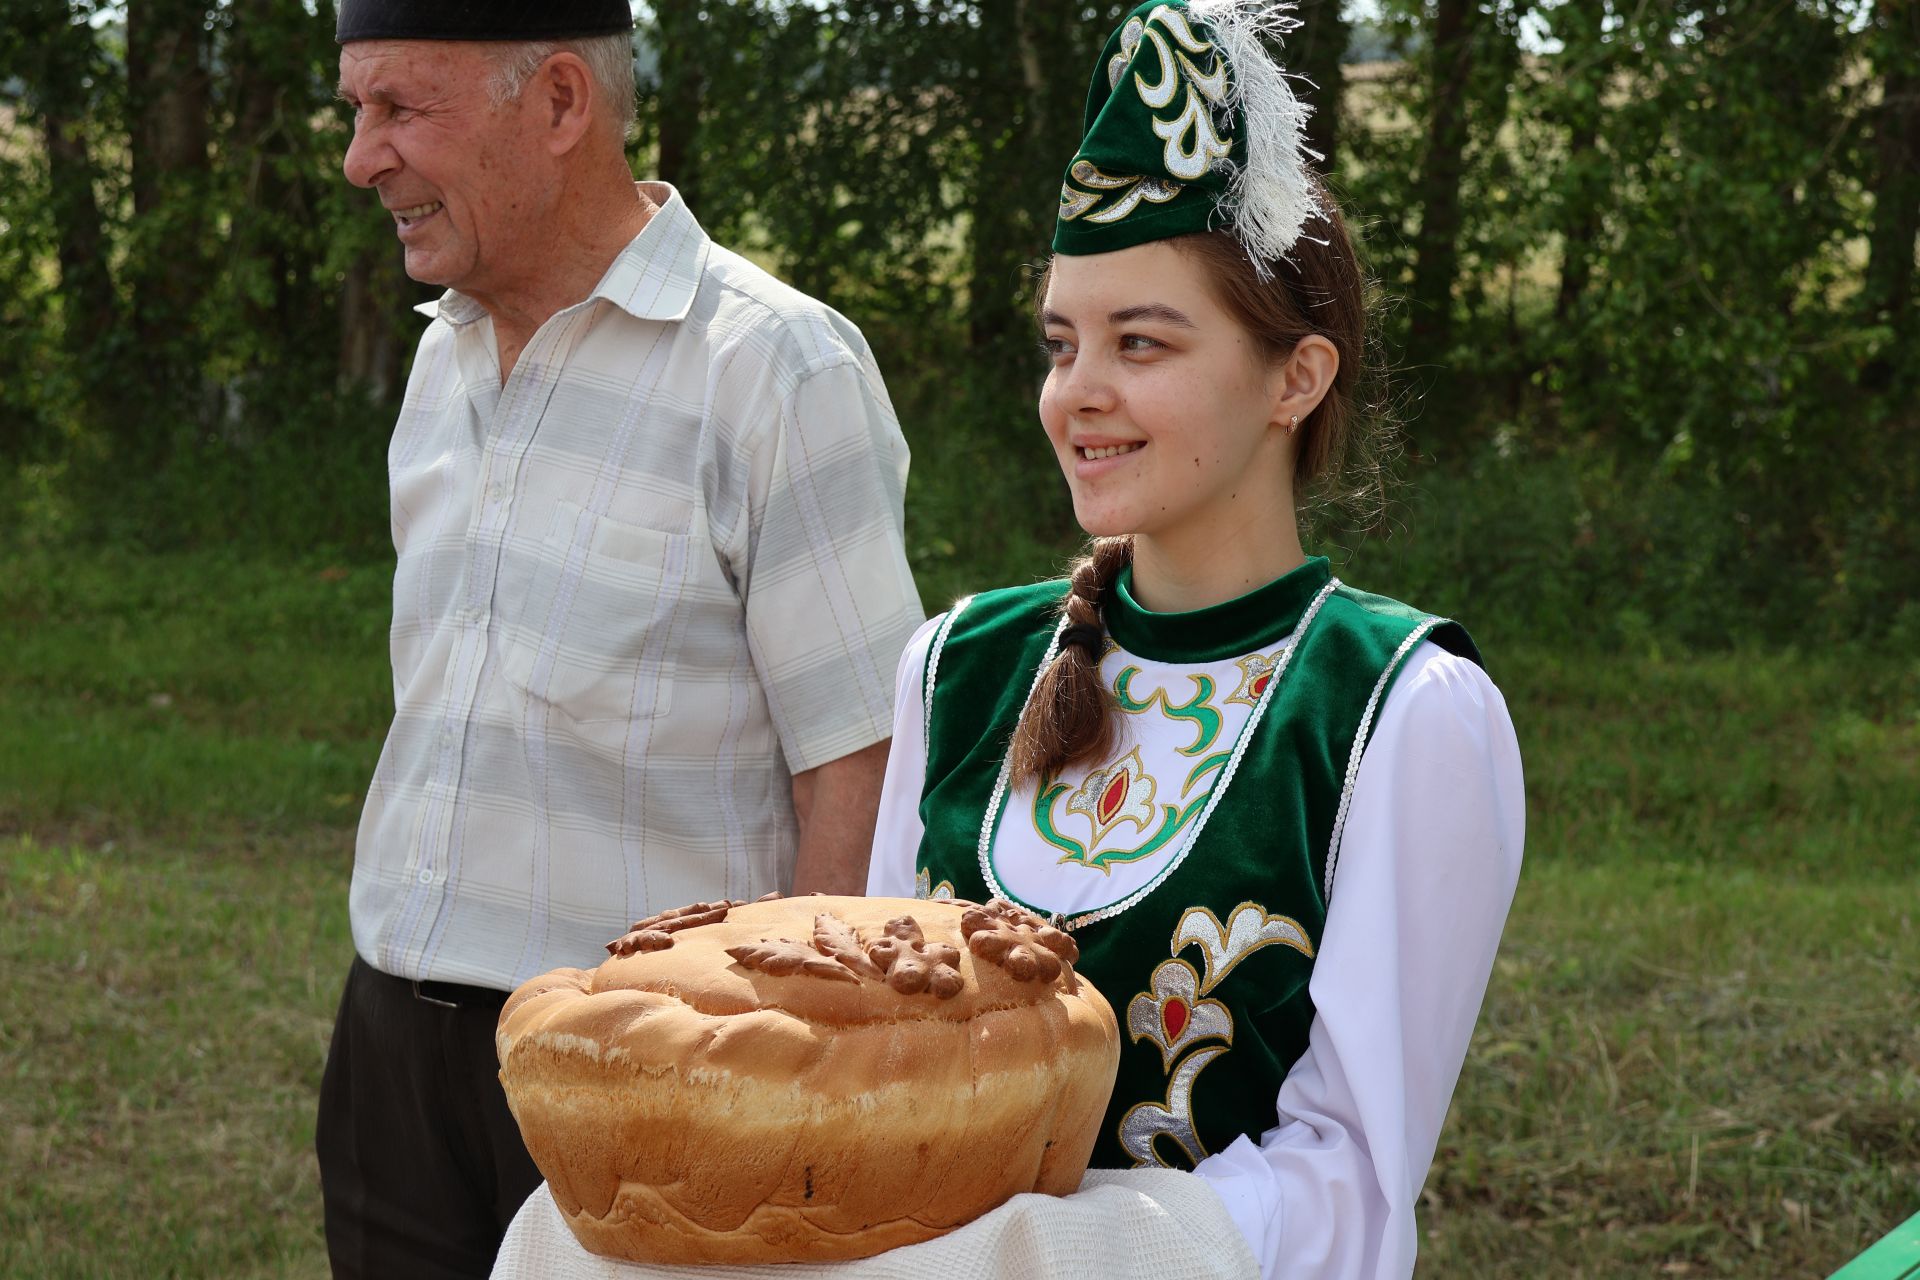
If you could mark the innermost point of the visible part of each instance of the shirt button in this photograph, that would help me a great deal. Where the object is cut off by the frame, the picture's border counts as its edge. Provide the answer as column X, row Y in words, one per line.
column 426, row 877
column 496, row 491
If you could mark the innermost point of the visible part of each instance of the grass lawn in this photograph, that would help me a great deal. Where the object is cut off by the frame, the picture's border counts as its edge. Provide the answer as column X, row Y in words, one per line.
column 1700, row 1055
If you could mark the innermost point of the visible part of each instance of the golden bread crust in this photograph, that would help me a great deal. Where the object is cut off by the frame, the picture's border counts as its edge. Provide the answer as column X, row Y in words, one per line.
column 687, row 1105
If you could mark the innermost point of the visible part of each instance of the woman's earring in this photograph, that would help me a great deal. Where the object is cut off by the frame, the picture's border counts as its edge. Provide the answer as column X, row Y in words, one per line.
column 1294, row 424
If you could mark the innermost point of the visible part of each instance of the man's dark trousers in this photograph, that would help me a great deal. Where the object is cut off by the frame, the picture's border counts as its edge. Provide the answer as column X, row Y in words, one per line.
column 421, row 1164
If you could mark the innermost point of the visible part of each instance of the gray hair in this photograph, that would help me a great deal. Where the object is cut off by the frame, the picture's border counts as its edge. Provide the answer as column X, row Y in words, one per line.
column 609, row 61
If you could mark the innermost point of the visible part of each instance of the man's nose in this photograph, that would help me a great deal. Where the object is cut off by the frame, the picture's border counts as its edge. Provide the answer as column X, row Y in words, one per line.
column 367, row 160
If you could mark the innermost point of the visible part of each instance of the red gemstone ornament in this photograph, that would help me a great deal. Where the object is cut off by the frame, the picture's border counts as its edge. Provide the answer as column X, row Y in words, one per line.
column 1173, row 1017
column 1114, row 796
column 1260, row 685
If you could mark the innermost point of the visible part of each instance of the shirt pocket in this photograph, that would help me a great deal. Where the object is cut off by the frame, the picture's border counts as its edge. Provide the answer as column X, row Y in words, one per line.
column 592, row 633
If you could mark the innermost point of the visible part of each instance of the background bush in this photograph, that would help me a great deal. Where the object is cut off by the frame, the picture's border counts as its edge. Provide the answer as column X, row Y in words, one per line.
column 1647, row 278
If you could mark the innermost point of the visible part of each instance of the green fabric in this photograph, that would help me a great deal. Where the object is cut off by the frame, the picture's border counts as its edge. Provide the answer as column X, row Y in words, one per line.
column 1229, row 630
column 1265, row 844
column 1159, row 144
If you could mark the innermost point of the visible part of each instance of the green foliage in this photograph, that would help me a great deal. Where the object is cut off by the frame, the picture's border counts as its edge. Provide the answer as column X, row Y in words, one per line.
column 1577, row 547
column 1678, row 372
column 1655, row 317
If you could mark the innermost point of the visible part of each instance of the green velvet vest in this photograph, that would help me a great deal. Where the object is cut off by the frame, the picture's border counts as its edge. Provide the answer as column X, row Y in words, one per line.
column 1207, row 973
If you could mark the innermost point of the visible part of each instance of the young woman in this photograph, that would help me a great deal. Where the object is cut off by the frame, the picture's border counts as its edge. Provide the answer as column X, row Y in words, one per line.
column 1282, row 818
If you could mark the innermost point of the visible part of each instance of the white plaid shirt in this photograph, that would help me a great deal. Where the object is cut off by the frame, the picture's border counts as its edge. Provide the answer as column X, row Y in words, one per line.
column 638, row 587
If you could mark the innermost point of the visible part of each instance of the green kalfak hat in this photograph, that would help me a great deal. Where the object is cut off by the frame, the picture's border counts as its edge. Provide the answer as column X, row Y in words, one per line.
column 1191, row 126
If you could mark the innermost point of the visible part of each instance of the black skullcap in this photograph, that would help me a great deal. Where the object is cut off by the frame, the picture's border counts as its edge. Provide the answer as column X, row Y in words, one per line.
column 480, row 19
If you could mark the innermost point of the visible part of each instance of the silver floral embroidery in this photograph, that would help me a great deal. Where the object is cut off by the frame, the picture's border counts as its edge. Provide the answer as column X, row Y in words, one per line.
column 1074, row 202
column 1129, row 43
column 1248, row 929
column 1089, row 174
column 1192, row 162
column 1172, row 1017
column 1150, row 189
column 1148, row 1120
column 1205, row 90
column 927, row 891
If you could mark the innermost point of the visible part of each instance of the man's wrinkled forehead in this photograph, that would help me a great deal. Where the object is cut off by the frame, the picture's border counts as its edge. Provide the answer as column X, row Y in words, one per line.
column 373, row 70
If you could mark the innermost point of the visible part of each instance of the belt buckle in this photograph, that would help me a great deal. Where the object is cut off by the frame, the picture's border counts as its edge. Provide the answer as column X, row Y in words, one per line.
column 422, row 996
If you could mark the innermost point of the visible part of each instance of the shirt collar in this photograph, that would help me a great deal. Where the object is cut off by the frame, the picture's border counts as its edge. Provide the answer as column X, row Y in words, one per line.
column 1221, row 631
column 654, row 278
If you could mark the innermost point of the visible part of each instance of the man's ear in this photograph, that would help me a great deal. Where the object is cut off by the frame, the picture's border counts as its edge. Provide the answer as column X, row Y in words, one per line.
column 1303, row 379
column 564, row 88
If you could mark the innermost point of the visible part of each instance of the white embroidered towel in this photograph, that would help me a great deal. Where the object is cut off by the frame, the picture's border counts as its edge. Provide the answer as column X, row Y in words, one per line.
column 1134, row 1224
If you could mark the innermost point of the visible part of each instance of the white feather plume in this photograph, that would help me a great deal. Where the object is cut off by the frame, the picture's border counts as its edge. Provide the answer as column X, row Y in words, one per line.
column 1269, row 200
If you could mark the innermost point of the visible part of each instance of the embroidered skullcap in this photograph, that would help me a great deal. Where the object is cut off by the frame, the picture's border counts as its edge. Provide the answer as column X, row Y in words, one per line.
column 480, row 19
column 1190, row 126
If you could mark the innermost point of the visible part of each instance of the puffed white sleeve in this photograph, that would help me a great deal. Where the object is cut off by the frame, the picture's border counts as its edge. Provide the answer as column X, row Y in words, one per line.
column 1421, row 887
column 897, row 832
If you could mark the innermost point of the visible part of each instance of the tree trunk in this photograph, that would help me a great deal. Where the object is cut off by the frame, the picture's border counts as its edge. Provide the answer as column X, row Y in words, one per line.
column 1437, row 248
column 1315, row 51
column 1007, row 185
column 373, row 346
column 683, row 88
column 1584, row 67
column 1576, row 259
column 1887, row 293
column 268, row 70
column 168, row 92
column 86, row 285
column 61, row 56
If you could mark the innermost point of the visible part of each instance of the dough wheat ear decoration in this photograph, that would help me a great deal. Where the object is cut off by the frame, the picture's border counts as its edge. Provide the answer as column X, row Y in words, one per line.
column 1269, row 200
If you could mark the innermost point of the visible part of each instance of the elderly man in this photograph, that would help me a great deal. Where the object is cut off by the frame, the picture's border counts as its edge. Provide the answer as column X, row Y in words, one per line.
column 650, row 592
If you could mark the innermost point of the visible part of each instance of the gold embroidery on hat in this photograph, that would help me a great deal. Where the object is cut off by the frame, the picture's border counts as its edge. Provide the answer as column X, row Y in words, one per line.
column 1074, row 203
column 1205, row 90
column 1089, row 174
column 1150, row 189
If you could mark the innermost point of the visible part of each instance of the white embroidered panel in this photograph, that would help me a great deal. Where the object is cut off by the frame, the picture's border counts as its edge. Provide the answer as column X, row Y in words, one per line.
column 1098, row 832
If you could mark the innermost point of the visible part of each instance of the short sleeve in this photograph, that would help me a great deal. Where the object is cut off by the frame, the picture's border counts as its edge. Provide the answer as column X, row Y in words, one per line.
column 830, row 600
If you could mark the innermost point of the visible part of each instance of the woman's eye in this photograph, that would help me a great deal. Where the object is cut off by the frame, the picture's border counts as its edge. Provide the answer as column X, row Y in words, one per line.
column 1055, row 348
column 1138, row 342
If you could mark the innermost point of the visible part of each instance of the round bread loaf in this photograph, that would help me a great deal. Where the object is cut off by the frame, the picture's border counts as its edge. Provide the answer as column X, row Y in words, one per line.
column 808, row 1079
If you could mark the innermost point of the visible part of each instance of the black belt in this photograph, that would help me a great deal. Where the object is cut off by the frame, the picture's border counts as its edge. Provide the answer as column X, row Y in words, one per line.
column 448, row 995
column 453, row 995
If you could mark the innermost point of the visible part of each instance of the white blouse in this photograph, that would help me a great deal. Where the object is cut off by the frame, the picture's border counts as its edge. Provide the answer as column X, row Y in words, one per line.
column 1425, row 875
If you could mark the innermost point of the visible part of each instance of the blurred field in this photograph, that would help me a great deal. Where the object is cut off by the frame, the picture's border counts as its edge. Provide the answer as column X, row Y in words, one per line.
column 1700, row 1055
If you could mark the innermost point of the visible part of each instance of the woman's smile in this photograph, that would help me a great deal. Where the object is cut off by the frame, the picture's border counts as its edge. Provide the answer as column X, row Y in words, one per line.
column 1092, row 453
